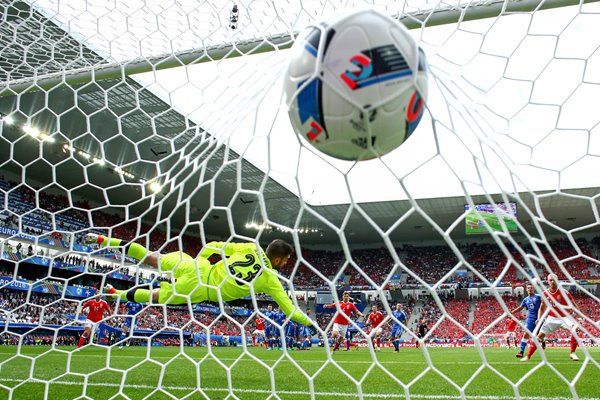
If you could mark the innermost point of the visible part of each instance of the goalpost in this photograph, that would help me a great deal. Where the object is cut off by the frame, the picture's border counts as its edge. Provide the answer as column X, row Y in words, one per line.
column 163, row 123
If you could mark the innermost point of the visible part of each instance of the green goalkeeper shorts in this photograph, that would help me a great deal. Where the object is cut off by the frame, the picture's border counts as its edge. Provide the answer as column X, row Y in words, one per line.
column 189, row 273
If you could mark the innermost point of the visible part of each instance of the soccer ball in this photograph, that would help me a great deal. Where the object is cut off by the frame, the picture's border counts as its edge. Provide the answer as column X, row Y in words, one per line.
column 356, row 85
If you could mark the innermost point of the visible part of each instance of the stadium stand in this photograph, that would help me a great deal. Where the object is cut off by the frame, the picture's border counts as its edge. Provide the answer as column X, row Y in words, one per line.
column 429, row 263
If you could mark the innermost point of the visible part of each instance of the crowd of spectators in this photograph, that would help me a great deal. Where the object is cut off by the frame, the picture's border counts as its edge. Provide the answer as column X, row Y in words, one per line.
column 327, row 263
column 40, row 308
column 489, row 309
column 447, row 329
column 366, row 269
column 590, row 308
column 91, row 264
column 488, row 315
column 432, row 264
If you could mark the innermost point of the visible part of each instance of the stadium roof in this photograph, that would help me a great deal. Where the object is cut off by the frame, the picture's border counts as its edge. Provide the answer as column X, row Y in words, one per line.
column 153, row 140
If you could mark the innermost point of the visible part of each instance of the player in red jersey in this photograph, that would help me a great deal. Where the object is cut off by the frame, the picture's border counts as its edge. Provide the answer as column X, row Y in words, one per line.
column 375, row 319
column 96, row 308
column 561, row 303
column 342, row 318
column 511, row 327
column 259, row 332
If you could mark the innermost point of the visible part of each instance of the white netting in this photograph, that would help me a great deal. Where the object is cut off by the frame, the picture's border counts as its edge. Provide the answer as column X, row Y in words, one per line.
column 160, row 123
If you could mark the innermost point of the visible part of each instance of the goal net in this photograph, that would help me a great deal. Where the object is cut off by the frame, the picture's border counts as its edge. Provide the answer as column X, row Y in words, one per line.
column 162, row 124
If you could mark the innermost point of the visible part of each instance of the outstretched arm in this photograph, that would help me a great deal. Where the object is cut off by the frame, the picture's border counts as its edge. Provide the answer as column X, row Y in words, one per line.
column 270, row 285
column 288, row 307
column 132, row 249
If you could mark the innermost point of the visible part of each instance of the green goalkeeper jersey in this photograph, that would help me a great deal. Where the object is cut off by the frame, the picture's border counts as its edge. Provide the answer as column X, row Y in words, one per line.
column 244, row 262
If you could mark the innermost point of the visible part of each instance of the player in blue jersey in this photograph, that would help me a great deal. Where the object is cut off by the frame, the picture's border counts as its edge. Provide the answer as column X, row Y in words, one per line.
column 270, row 329
column 532, row 304
column 132, row 309
column 279, row 321
column 299, row 335
column 303, row 336
column 399, row 320
column 290, row 334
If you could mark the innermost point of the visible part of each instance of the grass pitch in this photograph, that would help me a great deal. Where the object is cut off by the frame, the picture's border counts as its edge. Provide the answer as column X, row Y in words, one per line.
column 220, row 373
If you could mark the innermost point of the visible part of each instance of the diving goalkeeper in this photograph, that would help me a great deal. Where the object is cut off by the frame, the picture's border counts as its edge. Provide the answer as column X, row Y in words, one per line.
column 197, row 280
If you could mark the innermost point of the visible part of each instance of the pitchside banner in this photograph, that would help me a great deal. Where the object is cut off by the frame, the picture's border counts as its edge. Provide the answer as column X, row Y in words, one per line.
column 237, row 312
column 105, row 331
column 460, row 344
column 71, row 267
column 15, row 233
column 207, row 309
column 46, row 287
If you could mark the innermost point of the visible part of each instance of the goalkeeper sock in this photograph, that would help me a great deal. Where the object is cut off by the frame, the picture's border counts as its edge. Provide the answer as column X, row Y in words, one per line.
column 134, row 250
column 139, row 295
column 523, row 345
column 142, row 295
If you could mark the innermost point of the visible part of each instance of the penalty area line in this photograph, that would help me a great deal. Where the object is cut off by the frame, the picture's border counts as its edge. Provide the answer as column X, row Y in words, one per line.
column 288, row 392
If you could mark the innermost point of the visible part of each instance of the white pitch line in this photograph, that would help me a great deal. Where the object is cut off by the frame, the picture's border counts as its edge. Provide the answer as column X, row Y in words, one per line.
column 292, row 392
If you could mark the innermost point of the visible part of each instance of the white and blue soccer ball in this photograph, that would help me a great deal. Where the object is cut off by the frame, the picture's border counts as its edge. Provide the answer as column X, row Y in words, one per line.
column 356, row 85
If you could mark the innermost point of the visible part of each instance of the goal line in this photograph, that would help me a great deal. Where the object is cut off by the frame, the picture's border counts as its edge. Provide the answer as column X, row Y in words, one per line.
column 320, row 394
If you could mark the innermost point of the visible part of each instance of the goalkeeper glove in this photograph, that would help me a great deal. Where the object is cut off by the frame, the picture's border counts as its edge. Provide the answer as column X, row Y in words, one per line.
column 312, row 331
column 108, row 289
column 91, row 238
